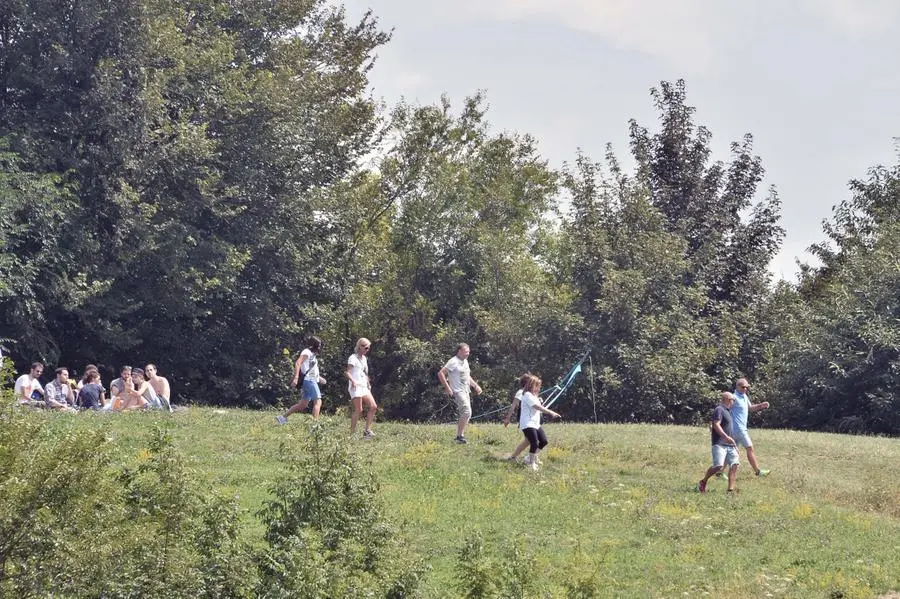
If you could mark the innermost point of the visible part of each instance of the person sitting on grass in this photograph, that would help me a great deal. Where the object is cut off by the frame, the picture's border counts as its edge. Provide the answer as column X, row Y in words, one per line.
column 29, row 391
column 59, row 394
column 530, row 420
column 724, row 448
column 92, row 396
column 160, row 385
column 145, row 389
column 84, row 378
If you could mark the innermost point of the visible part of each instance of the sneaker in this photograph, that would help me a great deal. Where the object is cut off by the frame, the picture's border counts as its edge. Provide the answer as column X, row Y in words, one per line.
column 511, row 459
column 701, row 486
column 527, row 460
column 281, row 419
column 538, row 460
column 763, row 472
column 369, row 435
column 461, row 440
column 534, row 466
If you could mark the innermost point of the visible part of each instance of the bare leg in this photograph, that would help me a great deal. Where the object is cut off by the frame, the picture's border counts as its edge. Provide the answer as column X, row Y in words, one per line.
column 732, row 476
column 711, row 471
column 751, row 457
column 297, row 407
column 355, row 411
column 461, row 425
column 370, row 414
column 317, row 405
column 522, row 446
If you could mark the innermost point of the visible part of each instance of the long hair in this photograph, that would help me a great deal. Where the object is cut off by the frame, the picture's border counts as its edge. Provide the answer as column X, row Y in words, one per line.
column 314, row 344
column 533, row 385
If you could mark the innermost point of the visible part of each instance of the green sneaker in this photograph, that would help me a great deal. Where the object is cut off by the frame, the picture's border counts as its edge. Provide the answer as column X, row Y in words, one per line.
column 763, row 472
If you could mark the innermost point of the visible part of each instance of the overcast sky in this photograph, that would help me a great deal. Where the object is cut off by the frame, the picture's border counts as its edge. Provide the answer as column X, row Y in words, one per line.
column 815, row 81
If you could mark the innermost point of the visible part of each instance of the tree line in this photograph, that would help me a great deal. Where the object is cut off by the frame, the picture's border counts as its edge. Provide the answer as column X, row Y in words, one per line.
column 203, row 183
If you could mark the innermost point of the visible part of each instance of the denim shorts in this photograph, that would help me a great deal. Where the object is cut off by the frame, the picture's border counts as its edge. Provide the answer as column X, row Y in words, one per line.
column 310, row 391
column 724, row 454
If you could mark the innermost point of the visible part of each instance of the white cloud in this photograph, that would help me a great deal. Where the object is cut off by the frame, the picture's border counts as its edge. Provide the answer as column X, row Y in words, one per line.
column 856, row 17
column 680, row 33
column 407, row 81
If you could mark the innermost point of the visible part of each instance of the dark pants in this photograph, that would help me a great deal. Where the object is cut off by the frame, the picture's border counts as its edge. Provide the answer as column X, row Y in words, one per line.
column 536, row 437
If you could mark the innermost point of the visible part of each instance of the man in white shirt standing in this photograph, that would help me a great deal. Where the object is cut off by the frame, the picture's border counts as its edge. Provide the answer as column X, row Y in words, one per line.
column 456, row 379
column 28, row 384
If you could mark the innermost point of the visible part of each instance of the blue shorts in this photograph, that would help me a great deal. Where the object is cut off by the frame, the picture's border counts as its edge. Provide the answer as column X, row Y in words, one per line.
column 742, row 438
column 310, row 391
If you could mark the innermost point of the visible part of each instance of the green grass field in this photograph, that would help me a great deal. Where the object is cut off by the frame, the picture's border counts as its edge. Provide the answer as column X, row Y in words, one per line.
column 613, row 503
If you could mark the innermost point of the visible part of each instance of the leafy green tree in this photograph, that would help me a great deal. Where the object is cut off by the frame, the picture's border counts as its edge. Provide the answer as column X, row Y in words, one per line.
column 835, row 364
column 35, row 249
column 199, row 136
column 667, row 269
column 450, row 250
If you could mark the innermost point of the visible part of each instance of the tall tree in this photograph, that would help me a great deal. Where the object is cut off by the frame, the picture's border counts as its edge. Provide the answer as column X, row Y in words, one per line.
column 667, row 265
column 199, row 134
column 836, row 365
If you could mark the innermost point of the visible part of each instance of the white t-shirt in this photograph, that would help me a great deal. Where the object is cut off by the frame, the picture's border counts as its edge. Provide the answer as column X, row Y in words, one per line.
column 458, row 371
column 529, row 416
column 25, row 385
column 310, row 366
column 360, row 371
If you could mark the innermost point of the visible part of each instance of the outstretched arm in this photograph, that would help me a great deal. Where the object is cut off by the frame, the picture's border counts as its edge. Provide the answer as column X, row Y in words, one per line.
column 756, row 407
column 540, row 408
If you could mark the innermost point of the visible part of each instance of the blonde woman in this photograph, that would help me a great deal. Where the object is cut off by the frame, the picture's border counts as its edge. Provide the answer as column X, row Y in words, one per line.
column 530, row 420
column 360, row 387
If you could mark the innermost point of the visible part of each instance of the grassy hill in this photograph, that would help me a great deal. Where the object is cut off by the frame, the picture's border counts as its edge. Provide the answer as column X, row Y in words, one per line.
column 612, row 510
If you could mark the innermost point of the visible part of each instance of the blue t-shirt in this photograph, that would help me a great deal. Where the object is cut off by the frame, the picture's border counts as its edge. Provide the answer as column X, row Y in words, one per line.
column 739, row 410
column 721, row 415
column 89, row 396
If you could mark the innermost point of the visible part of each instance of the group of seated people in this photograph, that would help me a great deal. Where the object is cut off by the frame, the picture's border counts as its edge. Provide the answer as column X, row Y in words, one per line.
column 135, row 389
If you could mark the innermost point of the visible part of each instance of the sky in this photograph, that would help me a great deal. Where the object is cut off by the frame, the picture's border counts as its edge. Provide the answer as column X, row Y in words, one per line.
column 814, row 81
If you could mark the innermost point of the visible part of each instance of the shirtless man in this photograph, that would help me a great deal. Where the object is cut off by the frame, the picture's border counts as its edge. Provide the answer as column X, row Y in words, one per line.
column 160, row 384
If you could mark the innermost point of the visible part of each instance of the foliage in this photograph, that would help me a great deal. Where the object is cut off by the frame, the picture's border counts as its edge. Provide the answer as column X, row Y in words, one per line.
column 451, row 250
column 667, row 272
column 483, row 575
column 836, row 366
column 204, row 183
column 198, row 136
column 72, row 526
column 326, row 528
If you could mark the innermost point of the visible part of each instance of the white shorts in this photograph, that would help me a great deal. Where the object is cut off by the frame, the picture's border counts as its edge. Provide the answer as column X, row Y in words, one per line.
column 724, row 454
column 358, row 391
column 742, row 438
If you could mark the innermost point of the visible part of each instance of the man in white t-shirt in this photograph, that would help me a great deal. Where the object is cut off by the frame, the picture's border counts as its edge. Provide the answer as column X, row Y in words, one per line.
column 28, row 387
column 456, row 379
